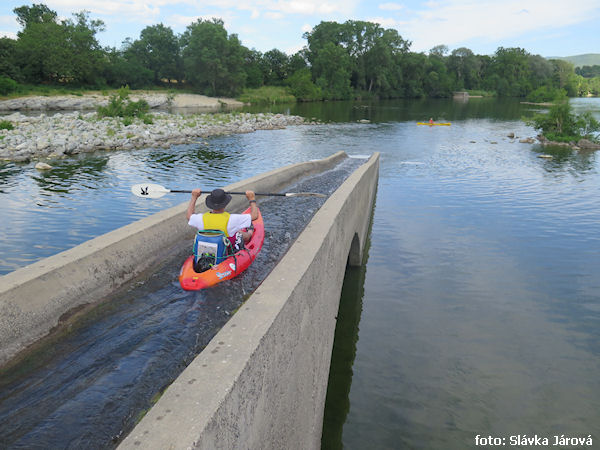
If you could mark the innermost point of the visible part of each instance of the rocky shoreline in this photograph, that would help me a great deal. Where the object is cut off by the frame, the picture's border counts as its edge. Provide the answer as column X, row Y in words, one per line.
column 156, row 100
column 42, row 137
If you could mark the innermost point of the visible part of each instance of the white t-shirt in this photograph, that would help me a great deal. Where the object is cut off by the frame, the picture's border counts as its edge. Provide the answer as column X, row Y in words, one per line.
column 235, row 224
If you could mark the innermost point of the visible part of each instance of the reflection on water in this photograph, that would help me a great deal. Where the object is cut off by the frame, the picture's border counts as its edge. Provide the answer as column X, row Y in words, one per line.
column 481, row 305
column 88, row 388
column 337, row 403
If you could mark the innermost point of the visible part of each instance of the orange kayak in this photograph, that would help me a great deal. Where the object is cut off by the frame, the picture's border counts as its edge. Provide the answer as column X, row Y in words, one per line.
column 191, row 280
column 446, row 124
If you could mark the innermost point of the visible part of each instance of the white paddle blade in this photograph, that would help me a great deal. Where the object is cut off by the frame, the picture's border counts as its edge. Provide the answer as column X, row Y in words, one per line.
column 149, row 190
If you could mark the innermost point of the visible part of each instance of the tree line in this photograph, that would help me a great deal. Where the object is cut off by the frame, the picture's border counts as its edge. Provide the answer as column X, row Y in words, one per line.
column 354, row 59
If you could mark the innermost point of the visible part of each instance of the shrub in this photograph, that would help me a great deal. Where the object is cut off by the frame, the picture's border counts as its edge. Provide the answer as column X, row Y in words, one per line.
column 545, row 94
column 119, row 105
column 7, row 85
column 6, row 125
column 561, row 125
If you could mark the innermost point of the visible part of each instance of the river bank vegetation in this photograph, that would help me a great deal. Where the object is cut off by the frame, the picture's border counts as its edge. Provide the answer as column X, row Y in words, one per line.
column 354, row 59
column 560, row 124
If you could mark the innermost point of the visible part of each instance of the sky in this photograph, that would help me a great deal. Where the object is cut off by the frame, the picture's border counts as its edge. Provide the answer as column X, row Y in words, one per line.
column 542, row 27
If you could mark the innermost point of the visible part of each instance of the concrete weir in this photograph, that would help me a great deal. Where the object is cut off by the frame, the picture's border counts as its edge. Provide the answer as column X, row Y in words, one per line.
column 42, row 297
column 261, row 381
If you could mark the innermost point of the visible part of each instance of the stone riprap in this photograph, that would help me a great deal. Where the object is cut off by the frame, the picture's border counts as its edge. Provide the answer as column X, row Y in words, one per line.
column 44, row 137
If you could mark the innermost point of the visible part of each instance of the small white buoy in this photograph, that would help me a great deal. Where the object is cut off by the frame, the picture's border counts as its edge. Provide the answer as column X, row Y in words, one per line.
column 43, row 166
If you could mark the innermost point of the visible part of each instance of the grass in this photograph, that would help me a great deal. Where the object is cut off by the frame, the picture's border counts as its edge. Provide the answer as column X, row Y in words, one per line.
column 6, row 125
column 267, row 95
column 481, row 93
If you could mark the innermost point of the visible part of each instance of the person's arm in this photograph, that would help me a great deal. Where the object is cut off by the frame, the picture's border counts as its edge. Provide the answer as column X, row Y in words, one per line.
column 253, row 208
column 192, row 205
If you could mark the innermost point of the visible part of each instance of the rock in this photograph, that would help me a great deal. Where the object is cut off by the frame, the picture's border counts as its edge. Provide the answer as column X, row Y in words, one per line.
column 511, row 135
column 43, row 166
column 586, row 144
column 527, row 141
column 545, row 156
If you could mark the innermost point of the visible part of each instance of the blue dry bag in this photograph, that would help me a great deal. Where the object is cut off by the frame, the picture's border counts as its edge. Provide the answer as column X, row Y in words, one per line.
column 210, row 249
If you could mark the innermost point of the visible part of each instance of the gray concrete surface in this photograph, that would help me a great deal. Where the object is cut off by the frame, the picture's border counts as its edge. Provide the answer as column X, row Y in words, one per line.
column 38, row 299
column 261, row 381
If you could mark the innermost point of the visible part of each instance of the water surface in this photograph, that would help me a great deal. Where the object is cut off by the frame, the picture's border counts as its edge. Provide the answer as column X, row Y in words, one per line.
column 478, row 310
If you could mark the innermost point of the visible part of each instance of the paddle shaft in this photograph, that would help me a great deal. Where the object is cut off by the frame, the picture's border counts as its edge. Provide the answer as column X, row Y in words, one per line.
column 269, row 194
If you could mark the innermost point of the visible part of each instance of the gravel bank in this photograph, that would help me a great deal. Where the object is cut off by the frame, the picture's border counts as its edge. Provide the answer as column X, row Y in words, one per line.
column 92, row 101
column 45, row 137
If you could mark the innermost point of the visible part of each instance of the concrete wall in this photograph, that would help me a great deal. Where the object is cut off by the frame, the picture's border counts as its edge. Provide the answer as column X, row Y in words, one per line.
column 261, row 382
column 36, row 299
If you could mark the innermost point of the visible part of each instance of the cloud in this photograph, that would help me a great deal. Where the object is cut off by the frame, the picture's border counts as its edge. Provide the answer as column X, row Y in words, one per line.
column 274, row 15
column 8, row 34
column 391, row 6
column 457, row 21
column 385, row 22
column 178, row 21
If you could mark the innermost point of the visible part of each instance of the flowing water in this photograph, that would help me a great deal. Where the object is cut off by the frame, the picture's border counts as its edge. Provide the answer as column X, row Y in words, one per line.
column 477, row 312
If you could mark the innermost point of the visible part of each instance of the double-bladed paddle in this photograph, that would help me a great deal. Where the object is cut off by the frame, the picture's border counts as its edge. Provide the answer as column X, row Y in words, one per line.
column 157, row 191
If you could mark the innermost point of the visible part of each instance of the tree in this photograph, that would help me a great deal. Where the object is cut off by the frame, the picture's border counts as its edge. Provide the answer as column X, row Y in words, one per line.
column 512, row 70
column 333, row 67
column 65, row 52
column 213, row 61
column 8, row 63
column 439, row 50
column 122, row 71
column 371, row 54
column 564, row 76
column 37, row 13
column 465, row 67
column 274, row 66
column 157, row 49
column 302, row 86
column 86, row 55
column 253, row 68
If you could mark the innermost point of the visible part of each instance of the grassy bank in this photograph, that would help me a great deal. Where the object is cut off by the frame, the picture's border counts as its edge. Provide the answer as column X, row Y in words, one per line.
column 267, row 95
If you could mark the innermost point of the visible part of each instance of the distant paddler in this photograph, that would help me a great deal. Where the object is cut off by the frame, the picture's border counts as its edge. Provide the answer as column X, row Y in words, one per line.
column 432, row 123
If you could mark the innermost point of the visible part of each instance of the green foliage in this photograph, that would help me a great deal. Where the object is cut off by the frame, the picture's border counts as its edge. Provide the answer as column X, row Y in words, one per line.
column 6, row 125
column 7, row 85
column 267, row 95
column 158, row 51
column 340, row 61
column 119, row 105
column 588, row 71
column 302, row 86
column 562, row 125
column 274, row 67
column 545, row 94
column 213, row 60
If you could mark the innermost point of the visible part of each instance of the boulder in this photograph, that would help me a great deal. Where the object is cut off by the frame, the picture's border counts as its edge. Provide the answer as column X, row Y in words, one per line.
column 586, row 144
column 43, row 166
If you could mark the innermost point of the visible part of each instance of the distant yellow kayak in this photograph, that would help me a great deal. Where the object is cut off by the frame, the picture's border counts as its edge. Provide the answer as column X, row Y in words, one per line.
column 446, row 124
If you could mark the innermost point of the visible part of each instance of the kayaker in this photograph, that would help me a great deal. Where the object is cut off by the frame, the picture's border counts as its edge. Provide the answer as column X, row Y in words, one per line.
column 431, row 121
column 217, row 219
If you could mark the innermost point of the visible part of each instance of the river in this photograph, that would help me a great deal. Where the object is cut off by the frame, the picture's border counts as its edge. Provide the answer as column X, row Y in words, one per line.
column 477, row 312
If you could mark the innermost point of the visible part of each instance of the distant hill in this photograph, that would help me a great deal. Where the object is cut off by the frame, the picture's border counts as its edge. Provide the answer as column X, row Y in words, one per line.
column 589, row 59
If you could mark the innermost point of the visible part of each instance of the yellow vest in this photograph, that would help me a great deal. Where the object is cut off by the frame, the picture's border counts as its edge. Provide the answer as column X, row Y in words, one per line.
column 216, row 221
